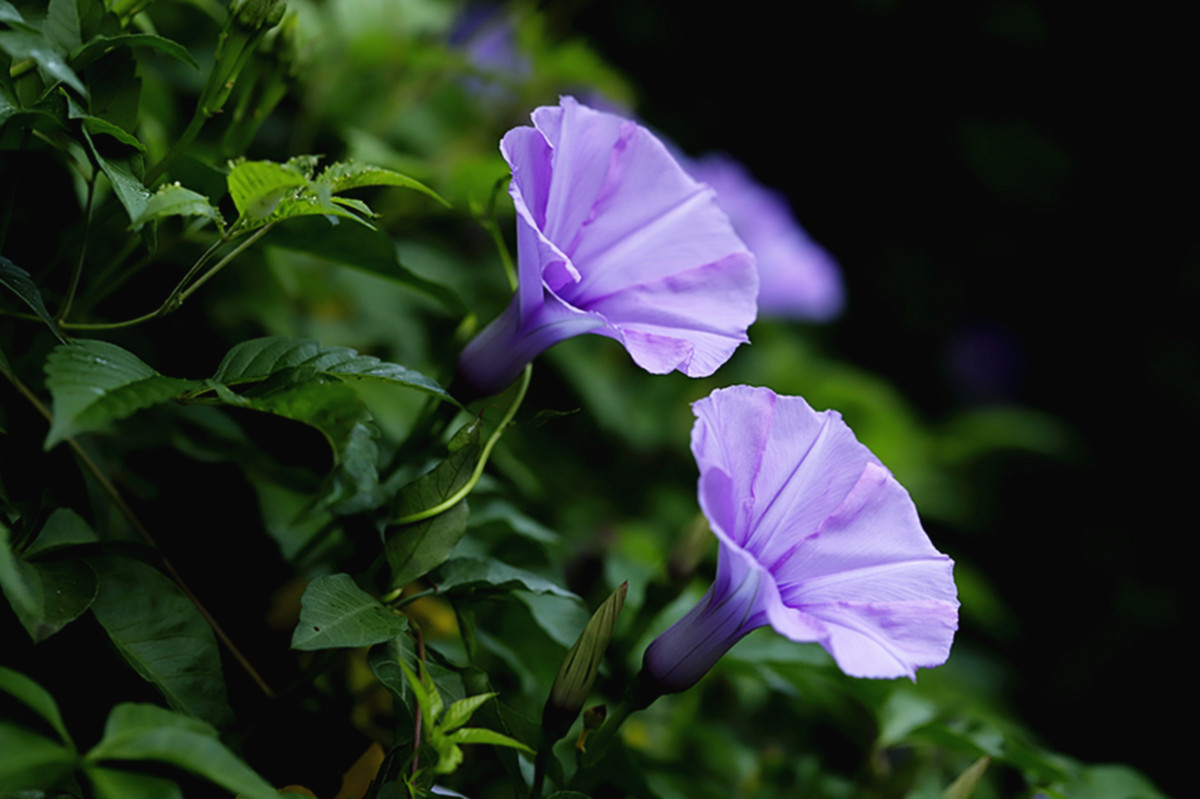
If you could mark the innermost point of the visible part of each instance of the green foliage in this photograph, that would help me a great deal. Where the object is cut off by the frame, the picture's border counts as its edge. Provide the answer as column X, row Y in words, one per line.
column 334, row 612
column 445, row 732
column 133, row 736
column 160, row 633
column 319, row 540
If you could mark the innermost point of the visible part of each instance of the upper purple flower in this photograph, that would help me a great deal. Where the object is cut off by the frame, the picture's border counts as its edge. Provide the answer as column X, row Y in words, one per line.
column 614, row 238
column 797, row 277
column 817, row 539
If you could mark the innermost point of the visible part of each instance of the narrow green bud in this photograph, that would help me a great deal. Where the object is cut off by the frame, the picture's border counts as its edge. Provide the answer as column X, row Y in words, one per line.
column 578, row 670
column 258, row 14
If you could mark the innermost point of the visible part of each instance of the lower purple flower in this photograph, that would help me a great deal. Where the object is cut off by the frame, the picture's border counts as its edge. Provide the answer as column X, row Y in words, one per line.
column 817, row 540
column 798, row 278
column 614, row 238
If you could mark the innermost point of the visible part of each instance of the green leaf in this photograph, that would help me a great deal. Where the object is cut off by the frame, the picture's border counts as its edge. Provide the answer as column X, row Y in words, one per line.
column 27, row 43
column 9, row 12
column 20, row 283
column 14, row 576
column 343, row 177
column 115, row 784
column 415, row 549
column 385, row 661
column 27, row 760
column 124, row 173
column 964, row 786
column 101, row 45
column 64, row 528
column 459, row 713
column 260, row 358
column 163, row 637
column 147, row 732
column 93, row 383
column 335, row 612
column 62, row 24
column 59, row 592
column 257, row 187
column 171, row 199
column 462, row 575
column 479, row 735
column 337, row 412
column 36, row 698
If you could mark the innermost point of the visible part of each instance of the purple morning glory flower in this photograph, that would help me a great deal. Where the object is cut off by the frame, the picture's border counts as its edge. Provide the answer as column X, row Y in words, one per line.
column 614, row 238
column 817, row 539
column 797, row 277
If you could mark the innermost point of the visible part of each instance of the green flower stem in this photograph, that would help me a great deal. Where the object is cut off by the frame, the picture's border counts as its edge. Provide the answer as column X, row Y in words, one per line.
column 461, row 493
column 598, row 741
column 489, row 223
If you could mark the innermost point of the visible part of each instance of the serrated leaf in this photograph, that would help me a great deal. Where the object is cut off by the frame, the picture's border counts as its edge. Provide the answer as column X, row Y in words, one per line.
column 343, row 177
column 163, row 637
column 147, row 732
column 459, row 713
column 93, row 383
column 18, row 281
column 174, row 200
column 260, row 358
column 335, row 612
column 467, row 574
column 30, row 761
column 415, row 549
column 257, row 187
column 385, row 660
column 36, row 698
column 101, row 45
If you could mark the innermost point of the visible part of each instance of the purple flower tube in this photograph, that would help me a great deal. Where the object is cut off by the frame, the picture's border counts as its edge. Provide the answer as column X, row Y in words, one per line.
column 613, row 238
column 817, row 540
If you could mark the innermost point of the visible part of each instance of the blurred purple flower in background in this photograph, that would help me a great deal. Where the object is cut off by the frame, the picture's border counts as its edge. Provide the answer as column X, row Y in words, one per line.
column 817, row 539
column 614, row 238
column 797, row 277
column 487, row 36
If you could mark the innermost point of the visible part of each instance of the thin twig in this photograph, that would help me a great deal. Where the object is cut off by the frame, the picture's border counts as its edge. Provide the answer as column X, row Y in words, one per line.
column 417, row 716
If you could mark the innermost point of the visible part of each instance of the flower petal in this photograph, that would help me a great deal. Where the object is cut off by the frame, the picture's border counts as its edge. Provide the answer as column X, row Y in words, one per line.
column 798, row 278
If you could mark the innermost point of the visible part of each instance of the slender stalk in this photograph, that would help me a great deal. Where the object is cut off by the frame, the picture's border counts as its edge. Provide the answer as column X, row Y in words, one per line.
column 489, row 224
column 461, row 493
column 126, row 511
column 73, row 286
column 599, row 740
column 417, row 716
column 179, row 293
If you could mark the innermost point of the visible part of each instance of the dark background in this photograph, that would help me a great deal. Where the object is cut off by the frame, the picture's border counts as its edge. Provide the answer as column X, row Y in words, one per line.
column 1008, row 187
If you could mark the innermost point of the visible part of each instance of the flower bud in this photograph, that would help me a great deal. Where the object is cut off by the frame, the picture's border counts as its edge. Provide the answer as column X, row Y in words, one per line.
column 578, row 671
